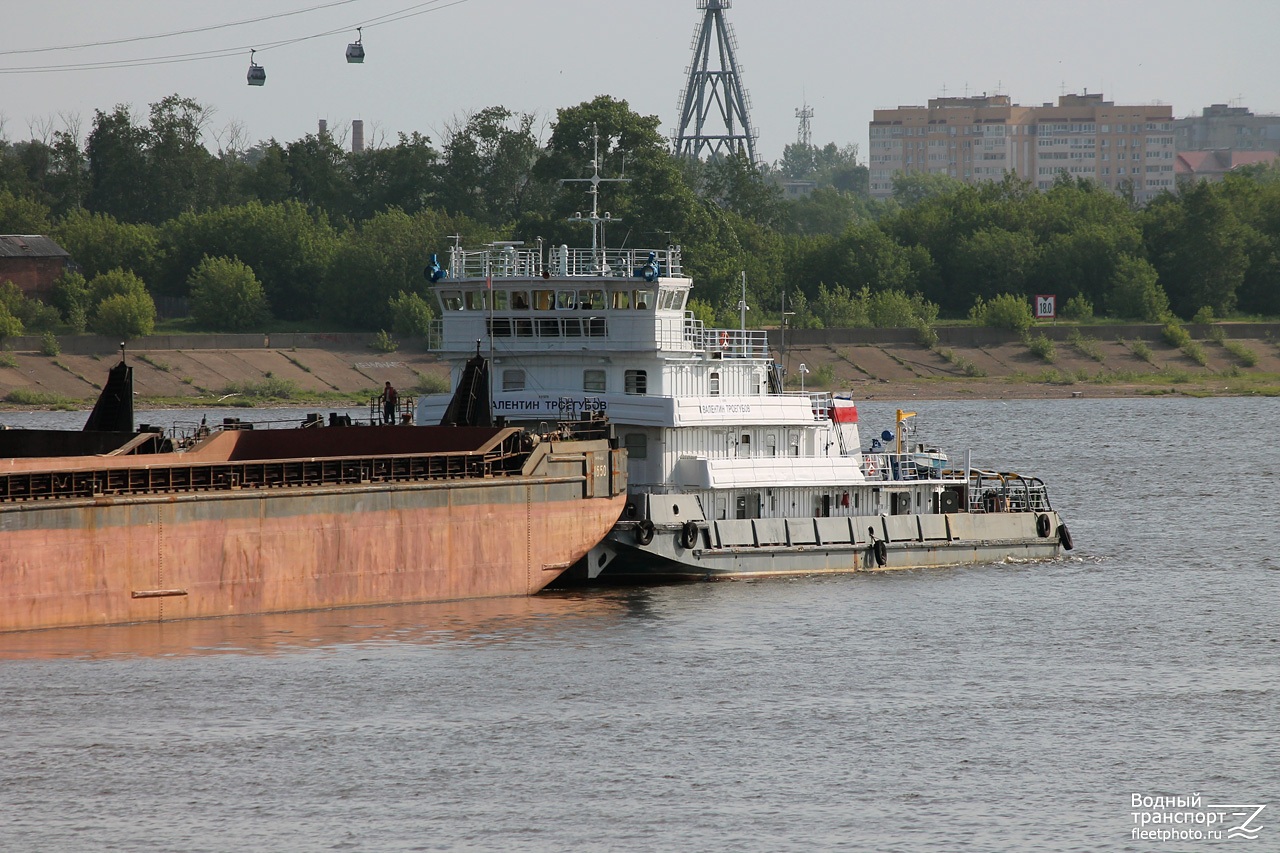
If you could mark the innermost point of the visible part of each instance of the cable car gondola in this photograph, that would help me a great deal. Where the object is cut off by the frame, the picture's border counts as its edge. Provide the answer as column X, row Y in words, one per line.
column 257, row 75
column 355, row 50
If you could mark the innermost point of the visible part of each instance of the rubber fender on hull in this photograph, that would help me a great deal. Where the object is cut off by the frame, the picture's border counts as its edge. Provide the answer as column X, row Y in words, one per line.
column 689, row 535
column 1043, row 525
column 644, row 532
column 1064, row 537
column 881, row 552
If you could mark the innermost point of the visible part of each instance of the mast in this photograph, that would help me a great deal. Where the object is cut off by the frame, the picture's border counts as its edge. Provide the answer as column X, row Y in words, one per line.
column 597, row 221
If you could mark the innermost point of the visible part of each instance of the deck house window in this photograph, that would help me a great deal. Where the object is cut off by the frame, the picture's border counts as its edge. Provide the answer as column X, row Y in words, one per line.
column 593, row 380
column 500, row 300
column 544, row 300
column 566, row 300
column 636, row 382
column 519, row 300
column 513, row 379
column 637, row 444
column 715, row 383
column 591, row 300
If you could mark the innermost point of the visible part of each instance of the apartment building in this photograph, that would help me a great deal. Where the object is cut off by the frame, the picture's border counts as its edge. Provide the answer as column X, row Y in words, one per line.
column 1224, row 128
column 1127, row 149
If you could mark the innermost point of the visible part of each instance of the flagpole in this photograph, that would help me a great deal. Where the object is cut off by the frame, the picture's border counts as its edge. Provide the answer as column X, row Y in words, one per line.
column 488, row 283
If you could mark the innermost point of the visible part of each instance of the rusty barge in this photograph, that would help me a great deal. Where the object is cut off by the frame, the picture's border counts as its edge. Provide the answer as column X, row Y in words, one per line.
column 115, row 526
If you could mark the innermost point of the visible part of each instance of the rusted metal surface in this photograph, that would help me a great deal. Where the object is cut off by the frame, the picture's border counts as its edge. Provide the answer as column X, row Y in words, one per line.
column 107, row 559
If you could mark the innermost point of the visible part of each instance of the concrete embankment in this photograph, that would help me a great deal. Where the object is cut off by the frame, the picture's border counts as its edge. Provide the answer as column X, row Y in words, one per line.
column 886, row 363
column 204, row 367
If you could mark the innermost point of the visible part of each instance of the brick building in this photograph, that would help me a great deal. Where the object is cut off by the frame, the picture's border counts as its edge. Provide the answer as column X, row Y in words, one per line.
column 32, row 262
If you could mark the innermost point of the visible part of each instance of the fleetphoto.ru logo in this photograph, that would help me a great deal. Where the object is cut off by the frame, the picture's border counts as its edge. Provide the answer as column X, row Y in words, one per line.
column 1189, row 818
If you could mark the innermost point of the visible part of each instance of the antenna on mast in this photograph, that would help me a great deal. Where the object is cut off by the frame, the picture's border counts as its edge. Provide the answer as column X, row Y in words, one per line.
column 804, row 133
column 597, row 221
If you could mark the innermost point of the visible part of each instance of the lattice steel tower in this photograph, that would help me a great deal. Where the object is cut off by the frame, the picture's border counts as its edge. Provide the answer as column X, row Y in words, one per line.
column 715, row 92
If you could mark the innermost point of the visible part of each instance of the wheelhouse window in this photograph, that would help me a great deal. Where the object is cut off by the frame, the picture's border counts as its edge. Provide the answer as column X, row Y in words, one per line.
column 643, row 300
column 512, row 379
column 566, row 300
column 544, row 300
column 621, row 299
column 637, row 444
column 451, row 300
column 475, row 300
column 519, row 300
column 636, row 382
column 593, row 380
column 591, row 300
column 672, row 300
column 500, row 300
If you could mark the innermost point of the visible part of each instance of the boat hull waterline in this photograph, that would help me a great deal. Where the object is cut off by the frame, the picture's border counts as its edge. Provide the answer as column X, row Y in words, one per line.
column 112, row 559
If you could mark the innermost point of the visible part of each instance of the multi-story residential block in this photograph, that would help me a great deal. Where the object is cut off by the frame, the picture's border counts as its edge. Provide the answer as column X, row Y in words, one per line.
column 1127, row 149
column 1220, row 127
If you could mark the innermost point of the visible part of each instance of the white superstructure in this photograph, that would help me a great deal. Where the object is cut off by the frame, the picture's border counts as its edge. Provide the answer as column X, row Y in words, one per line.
column 751, row 479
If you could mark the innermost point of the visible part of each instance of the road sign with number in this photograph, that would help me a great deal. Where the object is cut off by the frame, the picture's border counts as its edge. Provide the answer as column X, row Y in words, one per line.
column 1046, row 305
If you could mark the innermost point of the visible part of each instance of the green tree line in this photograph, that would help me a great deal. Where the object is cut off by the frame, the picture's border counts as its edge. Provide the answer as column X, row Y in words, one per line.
column 307, row 232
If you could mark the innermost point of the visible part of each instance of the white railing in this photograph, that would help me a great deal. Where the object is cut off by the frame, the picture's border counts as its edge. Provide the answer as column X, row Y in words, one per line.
column 729, row 343
column 560, row 262
column 903, row 467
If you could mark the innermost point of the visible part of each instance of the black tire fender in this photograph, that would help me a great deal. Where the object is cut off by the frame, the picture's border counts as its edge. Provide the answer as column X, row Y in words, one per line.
column 881, row 552
column 689, row 534
column 1043, row 525
column 1064, row 537
column 644, row 532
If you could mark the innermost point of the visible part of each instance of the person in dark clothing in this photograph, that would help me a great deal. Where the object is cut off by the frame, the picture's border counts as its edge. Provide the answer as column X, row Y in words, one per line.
column 390, row 399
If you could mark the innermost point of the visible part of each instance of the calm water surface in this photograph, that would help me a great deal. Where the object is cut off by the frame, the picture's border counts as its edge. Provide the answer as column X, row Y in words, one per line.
column 997, row 707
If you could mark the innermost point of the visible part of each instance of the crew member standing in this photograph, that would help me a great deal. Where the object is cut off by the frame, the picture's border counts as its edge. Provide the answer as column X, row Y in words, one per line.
column 389, row 400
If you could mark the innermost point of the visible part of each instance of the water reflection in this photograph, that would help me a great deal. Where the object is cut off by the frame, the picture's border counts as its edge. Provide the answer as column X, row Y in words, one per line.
column 553, row 617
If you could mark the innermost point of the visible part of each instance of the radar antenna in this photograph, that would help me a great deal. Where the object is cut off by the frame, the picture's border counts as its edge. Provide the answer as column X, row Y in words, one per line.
column 715, row 89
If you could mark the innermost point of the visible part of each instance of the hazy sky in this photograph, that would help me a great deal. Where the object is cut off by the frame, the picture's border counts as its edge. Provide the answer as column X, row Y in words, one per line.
column 844, row 57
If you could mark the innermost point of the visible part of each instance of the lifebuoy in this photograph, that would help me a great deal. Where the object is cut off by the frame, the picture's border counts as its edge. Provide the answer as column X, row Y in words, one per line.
column 881, row 552
column 644, row 532
column 871, row 467
column 1043, row 525
column 724, row 340
column 689, row 534
column 1064, row 537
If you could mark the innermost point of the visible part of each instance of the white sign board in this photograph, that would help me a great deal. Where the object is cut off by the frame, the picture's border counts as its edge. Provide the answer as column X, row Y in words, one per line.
column 1046, row 306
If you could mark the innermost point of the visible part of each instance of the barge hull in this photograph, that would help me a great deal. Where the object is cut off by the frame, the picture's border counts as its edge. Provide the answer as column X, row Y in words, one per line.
column 119, row 559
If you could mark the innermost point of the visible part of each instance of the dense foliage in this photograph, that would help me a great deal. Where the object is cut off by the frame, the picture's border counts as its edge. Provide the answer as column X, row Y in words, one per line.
column 305, row 232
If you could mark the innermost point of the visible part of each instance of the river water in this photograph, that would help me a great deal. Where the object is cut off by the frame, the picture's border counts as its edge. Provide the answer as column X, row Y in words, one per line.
column 995, row 707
